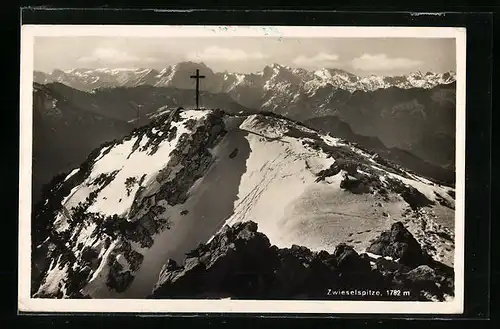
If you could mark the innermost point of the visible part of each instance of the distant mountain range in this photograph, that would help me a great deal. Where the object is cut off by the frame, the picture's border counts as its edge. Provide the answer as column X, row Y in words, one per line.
column 178, row 76
column 414, row 113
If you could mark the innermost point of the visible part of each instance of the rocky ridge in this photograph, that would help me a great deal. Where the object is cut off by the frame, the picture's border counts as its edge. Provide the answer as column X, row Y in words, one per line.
column 240, row 263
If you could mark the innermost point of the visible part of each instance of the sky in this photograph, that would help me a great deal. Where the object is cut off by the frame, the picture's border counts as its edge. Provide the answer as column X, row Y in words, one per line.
column 361, row 56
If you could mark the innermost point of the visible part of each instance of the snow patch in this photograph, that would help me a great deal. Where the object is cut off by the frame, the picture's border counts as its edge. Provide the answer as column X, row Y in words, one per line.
column 61, row 223
column 54, row 276
column 97, row 284
column 85, row 232
column 72, row 173
column 128, row 163
column 374, row 256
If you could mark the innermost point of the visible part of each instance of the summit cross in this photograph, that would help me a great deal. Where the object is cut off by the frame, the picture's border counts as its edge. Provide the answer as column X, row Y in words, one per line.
column 197, row 77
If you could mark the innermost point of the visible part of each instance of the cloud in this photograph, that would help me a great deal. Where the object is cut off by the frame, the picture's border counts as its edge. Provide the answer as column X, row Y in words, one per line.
column 114, row 56
column 321, row 59
column 215, row 53
column 368, row 62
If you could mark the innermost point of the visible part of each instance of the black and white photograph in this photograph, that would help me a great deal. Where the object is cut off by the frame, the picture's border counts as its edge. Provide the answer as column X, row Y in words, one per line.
column 242, row 169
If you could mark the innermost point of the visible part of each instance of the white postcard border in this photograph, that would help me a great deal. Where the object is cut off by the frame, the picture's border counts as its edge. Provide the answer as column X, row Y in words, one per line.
column 28, row 304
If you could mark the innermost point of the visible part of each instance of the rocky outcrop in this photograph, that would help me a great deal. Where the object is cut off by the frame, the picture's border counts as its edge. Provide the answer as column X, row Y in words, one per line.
column 240, row 263
column 120, row 274
column 193, row 158
column 398, row 243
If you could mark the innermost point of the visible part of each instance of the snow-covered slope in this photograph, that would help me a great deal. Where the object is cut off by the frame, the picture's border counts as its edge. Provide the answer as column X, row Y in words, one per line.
column 112, row 223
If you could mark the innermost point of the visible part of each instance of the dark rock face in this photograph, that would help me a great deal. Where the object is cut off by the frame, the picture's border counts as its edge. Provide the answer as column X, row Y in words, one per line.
column 398, row 243
column 350, row 167
column 193, row 157
column 233, row 153
column 241, row 263
column 117, row 279
column 355, row 185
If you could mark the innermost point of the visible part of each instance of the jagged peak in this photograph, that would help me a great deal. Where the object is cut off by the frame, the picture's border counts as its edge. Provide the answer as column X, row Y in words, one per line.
column 277, row 67
column 58, row 71
column 339, row 71
column 202, row 65
column 89, row 79
column 191, row 64
column 165, row 70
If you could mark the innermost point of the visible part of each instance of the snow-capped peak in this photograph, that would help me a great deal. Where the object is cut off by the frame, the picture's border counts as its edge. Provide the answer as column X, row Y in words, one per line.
column 323, row 74
column 177, row 75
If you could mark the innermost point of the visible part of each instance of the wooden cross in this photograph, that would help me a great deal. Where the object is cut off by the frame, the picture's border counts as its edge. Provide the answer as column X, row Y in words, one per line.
column 197, row 77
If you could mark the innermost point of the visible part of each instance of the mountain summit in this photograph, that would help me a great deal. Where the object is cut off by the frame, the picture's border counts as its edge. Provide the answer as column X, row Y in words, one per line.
column 107, row 228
